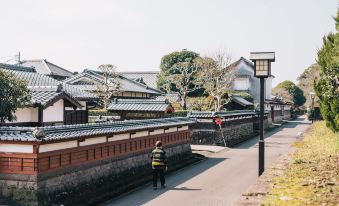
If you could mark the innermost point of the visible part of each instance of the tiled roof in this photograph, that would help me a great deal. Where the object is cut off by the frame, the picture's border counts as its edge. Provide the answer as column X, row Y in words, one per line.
column 17, row 68
column 220, row 114
column 127, row 85
column 42, row 66
column 39, row 82
column 150, row 78
column 45, row 98
column 241, row 101
column 55, row 133
column 139, row 105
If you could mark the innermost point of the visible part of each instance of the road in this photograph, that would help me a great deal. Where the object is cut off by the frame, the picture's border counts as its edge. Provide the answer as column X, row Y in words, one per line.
column 220, row 179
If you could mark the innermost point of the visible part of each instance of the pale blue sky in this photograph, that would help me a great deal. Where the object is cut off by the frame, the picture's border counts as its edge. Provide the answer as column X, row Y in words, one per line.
column 135, row 34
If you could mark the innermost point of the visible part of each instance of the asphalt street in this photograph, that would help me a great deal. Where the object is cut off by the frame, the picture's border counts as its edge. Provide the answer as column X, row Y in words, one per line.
column 220, row 179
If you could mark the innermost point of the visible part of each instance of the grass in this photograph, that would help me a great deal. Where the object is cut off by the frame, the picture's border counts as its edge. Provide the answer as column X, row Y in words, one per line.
column 312, row 176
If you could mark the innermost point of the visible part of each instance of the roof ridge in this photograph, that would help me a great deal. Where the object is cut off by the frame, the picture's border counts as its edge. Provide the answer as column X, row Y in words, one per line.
column 17, row 68
column 58, row 66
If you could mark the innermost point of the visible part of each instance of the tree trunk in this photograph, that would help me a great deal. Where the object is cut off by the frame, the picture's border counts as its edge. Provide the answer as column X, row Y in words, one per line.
column 218, row 108
column 183, row 101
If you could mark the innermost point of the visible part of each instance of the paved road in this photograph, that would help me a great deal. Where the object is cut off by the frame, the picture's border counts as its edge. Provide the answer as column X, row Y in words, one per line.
column 219, row 180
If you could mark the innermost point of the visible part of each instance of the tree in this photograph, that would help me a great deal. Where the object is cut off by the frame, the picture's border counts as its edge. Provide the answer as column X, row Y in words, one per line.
column 307, row 80
column 167, row 67
column 327, row 88
column 217, row 77
column 110, row 84
column 14, row 94
column 184, row 80
column 290, row 92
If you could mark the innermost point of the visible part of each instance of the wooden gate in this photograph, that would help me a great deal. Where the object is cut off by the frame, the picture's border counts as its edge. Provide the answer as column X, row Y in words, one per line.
column 76, row 117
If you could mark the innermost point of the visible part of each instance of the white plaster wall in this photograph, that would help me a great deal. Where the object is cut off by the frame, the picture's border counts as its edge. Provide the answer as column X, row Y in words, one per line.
column 91, row 141
column 241, row 83
column 183, row 128
column 55, row 112
column 58, row 146
column 172, row 129
column 157, row 131
column 16, row 148
column 268, row 87
column 34, row 114
column 119, row 137
column 140, row 134
column 27, row 114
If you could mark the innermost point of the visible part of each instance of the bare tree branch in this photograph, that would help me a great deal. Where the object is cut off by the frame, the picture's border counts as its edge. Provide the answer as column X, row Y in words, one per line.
column 216, row 76
column 110, row 85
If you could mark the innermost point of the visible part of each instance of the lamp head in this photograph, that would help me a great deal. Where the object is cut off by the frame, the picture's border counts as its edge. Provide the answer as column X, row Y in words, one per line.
column 262, row 63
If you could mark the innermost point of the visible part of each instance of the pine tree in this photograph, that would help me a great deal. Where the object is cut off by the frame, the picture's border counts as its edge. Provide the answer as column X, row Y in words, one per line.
column 327, row 88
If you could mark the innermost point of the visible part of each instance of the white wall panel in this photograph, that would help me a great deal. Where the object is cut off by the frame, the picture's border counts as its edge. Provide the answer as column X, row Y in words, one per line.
column 91, row 141
column 16, row 148
column 57, row 146
column 54, row 113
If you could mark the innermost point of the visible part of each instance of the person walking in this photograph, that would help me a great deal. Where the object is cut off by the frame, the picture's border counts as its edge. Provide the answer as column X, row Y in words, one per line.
column 159, row 165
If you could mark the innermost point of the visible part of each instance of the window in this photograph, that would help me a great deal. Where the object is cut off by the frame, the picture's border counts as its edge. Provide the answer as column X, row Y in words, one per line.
column 262, row 65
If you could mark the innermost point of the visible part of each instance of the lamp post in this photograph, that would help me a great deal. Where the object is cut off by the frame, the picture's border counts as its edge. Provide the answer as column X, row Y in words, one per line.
column 262, row 69
column 312, row 94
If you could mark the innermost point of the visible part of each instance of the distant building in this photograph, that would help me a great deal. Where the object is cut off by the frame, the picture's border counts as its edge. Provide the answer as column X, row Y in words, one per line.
column 90, row 79
column 149, row 108
column 246, row 82
column 52, row 103
column 42, row 66
column 148, row 77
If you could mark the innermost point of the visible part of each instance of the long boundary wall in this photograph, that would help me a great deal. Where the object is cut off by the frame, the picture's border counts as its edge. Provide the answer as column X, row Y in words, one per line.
column 91, row 169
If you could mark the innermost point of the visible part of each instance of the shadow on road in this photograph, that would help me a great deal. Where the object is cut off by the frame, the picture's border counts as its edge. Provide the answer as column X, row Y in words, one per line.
column 172, row 180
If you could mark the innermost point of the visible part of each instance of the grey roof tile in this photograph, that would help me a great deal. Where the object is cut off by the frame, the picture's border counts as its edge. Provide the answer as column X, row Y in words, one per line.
column 42, row 66
column 220, row 114
column 65, row 132
column 241, row 101
column 150, row 77
column 95, row 77
column 37, row 82
column 139, row 105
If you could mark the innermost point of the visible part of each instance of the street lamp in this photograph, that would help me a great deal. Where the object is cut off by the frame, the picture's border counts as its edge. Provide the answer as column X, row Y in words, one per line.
column 312, row 94
column 262, row 69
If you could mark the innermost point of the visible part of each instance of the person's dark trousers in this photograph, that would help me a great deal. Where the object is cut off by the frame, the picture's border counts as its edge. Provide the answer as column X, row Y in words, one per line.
column 155, row 177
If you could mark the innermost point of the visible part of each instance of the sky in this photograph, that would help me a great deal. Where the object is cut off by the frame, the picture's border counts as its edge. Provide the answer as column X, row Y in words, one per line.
column 134, row 34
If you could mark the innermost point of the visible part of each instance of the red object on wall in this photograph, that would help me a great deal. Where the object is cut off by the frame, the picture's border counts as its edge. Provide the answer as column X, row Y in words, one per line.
column 217, row 121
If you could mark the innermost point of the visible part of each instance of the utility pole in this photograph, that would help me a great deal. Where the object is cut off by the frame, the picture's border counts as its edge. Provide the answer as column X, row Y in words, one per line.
column 19, row 60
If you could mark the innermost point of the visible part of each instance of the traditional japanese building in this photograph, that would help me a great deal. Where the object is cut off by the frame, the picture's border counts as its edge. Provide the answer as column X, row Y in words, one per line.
column 52, row 102
column 150, row 108
column 147, row 77
column 42, row 66
column 90, row 79
column 246, row 82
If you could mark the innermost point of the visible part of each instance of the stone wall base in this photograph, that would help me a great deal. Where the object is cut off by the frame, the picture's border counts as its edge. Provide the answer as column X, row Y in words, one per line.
column 233, row 135
column 91, row 184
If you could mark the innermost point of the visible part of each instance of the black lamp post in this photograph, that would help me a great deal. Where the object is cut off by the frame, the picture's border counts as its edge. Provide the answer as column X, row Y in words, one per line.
column 262, row 69
column 312, row 94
